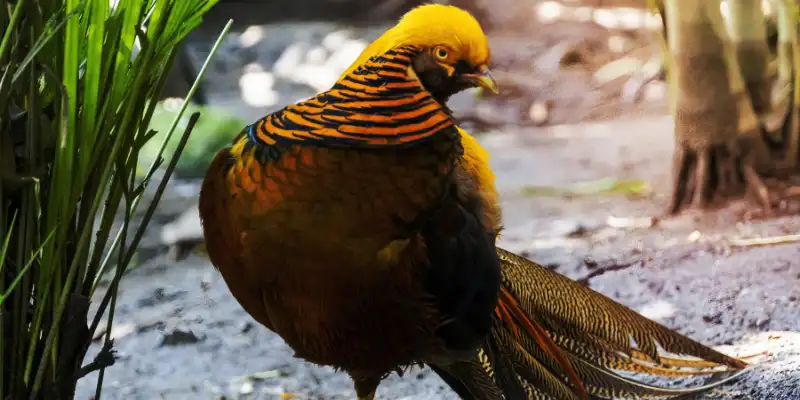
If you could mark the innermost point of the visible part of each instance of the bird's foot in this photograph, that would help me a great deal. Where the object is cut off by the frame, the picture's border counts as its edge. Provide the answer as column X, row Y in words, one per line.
column 365, row 385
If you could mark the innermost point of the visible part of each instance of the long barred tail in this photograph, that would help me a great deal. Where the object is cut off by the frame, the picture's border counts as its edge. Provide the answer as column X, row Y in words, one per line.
column 556, row 339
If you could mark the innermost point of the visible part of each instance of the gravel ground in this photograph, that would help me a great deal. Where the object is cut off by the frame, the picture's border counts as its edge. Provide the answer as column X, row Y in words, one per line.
column 181, row 334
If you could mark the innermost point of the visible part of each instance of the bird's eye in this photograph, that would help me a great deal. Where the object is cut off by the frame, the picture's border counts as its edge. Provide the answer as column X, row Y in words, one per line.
column 441, row 53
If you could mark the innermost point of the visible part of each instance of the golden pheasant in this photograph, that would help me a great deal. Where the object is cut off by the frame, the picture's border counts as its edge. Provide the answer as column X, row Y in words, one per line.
column 360, row 226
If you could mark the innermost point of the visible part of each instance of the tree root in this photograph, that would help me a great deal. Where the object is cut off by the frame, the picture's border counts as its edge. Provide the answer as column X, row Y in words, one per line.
column 754, row 182
column 702, row 178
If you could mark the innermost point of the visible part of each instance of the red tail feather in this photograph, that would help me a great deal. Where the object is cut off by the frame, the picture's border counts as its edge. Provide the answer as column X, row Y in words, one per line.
column 509, row 311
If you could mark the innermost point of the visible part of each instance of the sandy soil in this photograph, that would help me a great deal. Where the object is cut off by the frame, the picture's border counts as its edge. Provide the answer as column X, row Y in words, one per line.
column 182, row 336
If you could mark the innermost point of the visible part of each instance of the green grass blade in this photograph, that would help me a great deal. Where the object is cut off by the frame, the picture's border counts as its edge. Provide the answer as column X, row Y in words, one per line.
column 111, row 295
column 154, row 165
column 24, row 270
column 192, row 90
column 43, row 41
column 4, row 250
column 9, row 33
column 87, row 99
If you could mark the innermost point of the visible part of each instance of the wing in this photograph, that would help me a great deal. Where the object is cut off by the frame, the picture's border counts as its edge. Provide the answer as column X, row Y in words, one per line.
column 463, row 272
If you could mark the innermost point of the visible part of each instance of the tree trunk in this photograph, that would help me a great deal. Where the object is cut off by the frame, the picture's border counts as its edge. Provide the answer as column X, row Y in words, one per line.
column 719, row 147
column 748, row 32
column 786, row 37
column 788, row 102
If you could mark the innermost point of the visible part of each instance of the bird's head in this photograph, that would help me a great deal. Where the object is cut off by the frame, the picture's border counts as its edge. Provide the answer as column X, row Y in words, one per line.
column 455, row 51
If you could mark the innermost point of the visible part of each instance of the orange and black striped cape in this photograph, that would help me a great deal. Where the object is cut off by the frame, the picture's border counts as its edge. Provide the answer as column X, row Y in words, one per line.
column 377, row 105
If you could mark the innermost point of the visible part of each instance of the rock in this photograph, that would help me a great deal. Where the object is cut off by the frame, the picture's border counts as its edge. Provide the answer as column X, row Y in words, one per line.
column 317, row 63
column 245, row 327
column 183, row 234
column 539, row 112
column 227, row 56
column 160, row 295
column 335, row 40
column 251, row 36
column 256, row 87
column 638, row 84
column 180, row 336
column 617, row 69
column 617, row 43
column 317, row 55
column 246, row 388
column 186, row 227
column 289, row 60
column 715, row 318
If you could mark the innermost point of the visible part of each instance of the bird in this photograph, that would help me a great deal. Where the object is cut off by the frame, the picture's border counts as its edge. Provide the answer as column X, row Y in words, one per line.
column 361, row 226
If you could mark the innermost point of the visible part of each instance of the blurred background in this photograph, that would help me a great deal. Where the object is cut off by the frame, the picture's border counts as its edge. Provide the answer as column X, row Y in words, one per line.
column 558, row 62
column 581, row 142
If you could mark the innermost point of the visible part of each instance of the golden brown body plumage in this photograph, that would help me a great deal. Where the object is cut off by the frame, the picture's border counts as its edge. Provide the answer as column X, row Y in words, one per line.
column 360, row 226
column 333, row 273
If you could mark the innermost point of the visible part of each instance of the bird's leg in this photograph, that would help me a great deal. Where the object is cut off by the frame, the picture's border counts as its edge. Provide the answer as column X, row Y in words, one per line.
column 368, row 396
column 366, row 385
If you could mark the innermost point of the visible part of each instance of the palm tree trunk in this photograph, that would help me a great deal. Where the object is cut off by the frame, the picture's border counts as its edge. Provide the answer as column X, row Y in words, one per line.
column 719, row 149
column 788, row 101
column 747, row 30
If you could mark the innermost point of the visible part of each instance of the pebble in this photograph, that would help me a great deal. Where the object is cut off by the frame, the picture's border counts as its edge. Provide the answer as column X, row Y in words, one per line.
column 617, row 69
column 256, row 88
column 160, row 295
column 251, row 36
column 180, row 336
column 335, row 40
column 539, row 112
column 317, row 55
column 291, row 57
column 246, row 388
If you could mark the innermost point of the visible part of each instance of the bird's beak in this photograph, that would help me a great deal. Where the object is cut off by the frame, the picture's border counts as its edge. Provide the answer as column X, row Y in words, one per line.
column 483, row 79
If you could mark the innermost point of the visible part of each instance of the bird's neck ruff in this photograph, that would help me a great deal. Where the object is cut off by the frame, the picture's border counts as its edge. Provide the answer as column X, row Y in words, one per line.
column 381, row 103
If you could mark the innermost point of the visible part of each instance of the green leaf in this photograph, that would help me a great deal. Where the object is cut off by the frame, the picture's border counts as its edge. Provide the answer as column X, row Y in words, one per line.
column 24, row 270
column 4, row 250
column 597, row 187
